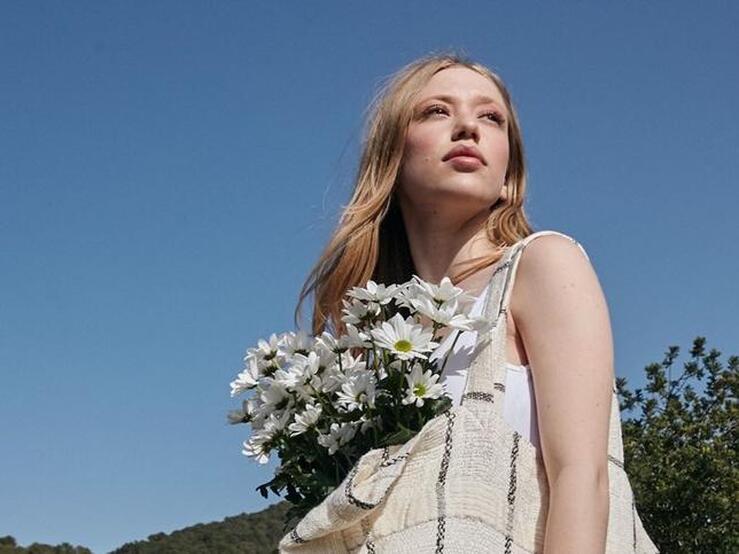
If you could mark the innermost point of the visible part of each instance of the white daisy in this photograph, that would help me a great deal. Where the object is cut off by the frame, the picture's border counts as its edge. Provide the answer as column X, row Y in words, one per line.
column 300, row 342
column 443, row 292
column 302, row 370
column 276, row 422
column 327, row 347
column 446, row 314
column 358, row 391
column 373, row 292
column 334, row 377
column 338, row 435
column 258, row 412
column 306, row 419
column 422, row 385
column 275, row 396
column 331, row 379
column 288, row 378
column 311, row 364
column 256, row 447
column 267, row 349
column 248, row 378
column 351, row 364
column 358, row 312
column 244, row 415
column 404, row 338
column 356, row 338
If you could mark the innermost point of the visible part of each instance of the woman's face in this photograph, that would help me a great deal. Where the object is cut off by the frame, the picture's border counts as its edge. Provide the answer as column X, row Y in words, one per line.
column 457, row 107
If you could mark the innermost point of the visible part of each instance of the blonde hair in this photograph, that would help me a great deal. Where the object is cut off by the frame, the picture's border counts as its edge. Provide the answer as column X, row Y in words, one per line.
column 370, row 241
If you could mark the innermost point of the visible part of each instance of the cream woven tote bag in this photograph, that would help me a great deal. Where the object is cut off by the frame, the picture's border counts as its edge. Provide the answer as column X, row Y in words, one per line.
column 468, row 482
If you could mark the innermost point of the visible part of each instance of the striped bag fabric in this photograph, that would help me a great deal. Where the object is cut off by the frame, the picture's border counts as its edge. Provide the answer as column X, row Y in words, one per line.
column 467, row 482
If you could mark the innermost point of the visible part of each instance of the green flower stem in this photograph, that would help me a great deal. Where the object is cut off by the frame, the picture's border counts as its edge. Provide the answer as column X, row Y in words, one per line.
column 325, row 403
column 398, row 386
column 349, row 461
column 374, row 353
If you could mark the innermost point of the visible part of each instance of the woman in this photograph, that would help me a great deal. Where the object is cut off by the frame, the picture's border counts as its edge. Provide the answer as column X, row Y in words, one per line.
column 440, row 192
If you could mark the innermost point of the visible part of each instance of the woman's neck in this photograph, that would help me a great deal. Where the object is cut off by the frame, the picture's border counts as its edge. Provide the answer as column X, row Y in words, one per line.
column 440, row 249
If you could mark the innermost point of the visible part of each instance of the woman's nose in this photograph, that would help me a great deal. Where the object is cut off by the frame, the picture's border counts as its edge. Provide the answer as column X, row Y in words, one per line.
column 466, row 127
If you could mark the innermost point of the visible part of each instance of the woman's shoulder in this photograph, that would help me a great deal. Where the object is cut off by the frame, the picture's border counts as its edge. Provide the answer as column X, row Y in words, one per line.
column 551, row 263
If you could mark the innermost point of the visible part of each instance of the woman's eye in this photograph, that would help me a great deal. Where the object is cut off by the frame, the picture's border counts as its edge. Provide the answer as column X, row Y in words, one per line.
column 435, row 109
column 496, row 117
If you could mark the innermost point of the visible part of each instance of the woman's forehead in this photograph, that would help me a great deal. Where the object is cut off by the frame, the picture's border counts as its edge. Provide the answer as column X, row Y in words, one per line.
column 462, row 83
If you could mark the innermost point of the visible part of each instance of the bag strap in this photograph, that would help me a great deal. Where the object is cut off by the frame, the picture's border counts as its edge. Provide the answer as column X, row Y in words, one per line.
column 487, row 372
column 480, row 382
column 499, row 369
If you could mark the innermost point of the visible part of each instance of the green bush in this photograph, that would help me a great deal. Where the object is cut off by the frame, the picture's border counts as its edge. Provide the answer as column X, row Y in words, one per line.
column 681, row 452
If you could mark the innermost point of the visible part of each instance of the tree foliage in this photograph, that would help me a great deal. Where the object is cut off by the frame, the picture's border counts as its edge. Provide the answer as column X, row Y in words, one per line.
column 681, row 451
column 8, row 545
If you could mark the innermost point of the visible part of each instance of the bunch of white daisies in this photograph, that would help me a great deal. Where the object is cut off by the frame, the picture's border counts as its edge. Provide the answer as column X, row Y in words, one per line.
column 322, row 402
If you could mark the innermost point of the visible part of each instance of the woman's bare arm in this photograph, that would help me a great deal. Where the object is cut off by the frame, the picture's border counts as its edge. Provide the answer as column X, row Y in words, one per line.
column 561, row 313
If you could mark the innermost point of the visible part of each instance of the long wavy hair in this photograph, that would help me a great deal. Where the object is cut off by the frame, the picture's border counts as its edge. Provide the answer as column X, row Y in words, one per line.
column 370, row 240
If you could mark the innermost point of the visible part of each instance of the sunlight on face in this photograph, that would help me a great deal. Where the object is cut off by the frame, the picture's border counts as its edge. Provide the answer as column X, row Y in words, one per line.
column 458, row 106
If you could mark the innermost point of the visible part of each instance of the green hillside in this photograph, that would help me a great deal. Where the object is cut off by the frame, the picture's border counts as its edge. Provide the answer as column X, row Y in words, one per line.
column 256, row 533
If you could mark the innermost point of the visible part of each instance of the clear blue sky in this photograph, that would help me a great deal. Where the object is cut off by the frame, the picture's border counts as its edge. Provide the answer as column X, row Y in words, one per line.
column 169, row 172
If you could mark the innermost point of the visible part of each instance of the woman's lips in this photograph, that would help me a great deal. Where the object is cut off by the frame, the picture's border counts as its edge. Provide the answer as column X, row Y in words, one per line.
column 465, row 162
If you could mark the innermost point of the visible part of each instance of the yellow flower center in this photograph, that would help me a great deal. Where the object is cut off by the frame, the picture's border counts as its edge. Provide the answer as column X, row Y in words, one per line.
column 419, row 390
column 403, row 345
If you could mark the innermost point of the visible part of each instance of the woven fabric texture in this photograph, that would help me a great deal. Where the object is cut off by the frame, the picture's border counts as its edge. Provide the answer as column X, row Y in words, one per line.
column 467, row 482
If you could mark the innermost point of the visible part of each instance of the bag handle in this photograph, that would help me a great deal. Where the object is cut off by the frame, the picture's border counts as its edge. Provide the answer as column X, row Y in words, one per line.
column 499, row 369
column 487, row 371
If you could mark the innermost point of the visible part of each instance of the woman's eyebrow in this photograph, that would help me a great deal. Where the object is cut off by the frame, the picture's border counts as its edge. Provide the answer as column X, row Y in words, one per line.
column 480, row 99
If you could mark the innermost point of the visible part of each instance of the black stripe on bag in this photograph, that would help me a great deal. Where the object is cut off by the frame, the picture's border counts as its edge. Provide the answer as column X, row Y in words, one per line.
column 394, row 460
column 367, row 540
column 478, row 395
column 350, row 495
column 297, row 538
column 511, row 494
column 485, row 396
column 441, row 482
column 633, row 519
column 616, row 461
column 385, row 453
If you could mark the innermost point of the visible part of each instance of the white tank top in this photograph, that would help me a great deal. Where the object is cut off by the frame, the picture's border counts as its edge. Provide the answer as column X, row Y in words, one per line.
column 519, row 408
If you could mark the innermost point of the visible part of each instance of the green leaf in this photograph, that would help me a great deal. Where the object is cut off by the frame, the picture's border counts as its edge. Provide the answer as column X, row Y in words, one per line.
column 399, row 437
